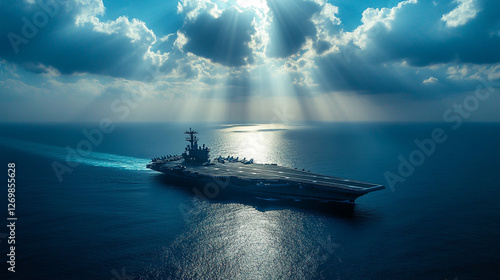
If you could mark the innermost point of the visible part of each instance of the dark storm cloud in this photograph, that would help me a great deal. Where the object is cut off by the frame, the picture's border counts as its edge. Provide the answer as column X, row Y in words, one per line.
column 291, row 26
column 50, row 37
column 426, row 40
column 224, row 39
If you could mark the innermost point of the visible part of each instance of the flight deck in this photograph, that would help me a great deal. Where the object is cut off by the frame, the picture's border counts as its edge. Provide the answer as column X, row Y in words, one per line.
column 256, row 171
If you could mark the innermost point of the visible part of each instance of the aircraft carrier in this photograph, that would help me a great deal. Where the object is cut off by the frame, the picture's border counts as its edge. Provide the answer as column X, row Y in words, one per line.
column 194, row 167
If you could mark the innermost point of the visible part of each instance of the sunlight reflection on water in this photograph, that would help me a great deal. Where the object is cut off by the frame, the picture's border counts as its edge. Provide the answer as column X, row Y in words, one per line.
column 235, row 241
column 262, row 142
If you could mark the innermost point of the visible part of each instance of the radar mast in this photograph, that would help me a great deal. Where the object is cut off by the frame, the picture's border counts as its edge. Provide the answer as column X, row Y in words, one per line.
column 193, row 152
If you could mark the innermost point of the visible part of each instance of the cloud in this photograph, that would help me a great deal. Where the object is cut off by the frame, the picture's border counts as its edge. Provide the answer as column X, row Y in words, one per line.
column 402, row 34
column 336, row 72
column 430, row 80
column 237, row 50
column 463, row 13
column 291, row 26
column 68, row 36
column 224, row 39
column 354, row 70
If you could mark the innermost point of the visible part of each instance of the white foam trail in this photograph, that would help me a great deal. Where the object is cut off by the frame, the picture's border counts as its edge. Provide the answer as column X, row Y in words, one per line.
column 61, row 154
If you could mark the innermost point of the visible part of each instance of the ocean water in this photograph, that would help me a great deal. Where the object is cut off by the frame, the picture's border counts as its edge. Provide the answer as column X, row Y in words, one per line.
column 108, row 217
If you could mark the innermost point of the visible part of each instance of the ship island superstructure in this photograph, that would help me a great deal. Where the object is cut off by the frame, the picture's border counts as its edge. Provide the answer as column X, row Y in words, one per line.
column 194, row 167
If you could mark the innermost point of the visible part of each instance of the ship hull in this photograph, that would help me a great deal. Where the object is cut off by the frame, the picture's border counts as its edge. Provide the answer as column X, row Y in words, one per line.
column 212, row 188
column 259, row 180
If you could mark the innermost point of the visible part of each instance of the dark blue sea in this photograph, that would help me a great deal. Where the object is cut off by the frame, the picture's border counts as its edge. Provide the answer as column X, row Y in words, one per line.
column 108, row 217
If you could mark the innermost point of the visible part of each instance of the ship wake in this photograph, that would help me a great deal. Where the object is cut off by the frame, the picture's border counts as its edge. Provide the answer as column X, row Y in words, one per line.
column 66, row 154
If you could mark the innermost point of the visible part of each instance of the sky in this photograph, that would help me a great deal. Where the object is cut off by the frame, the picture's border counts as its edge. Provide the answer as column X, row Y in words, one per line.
column 249, row 60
